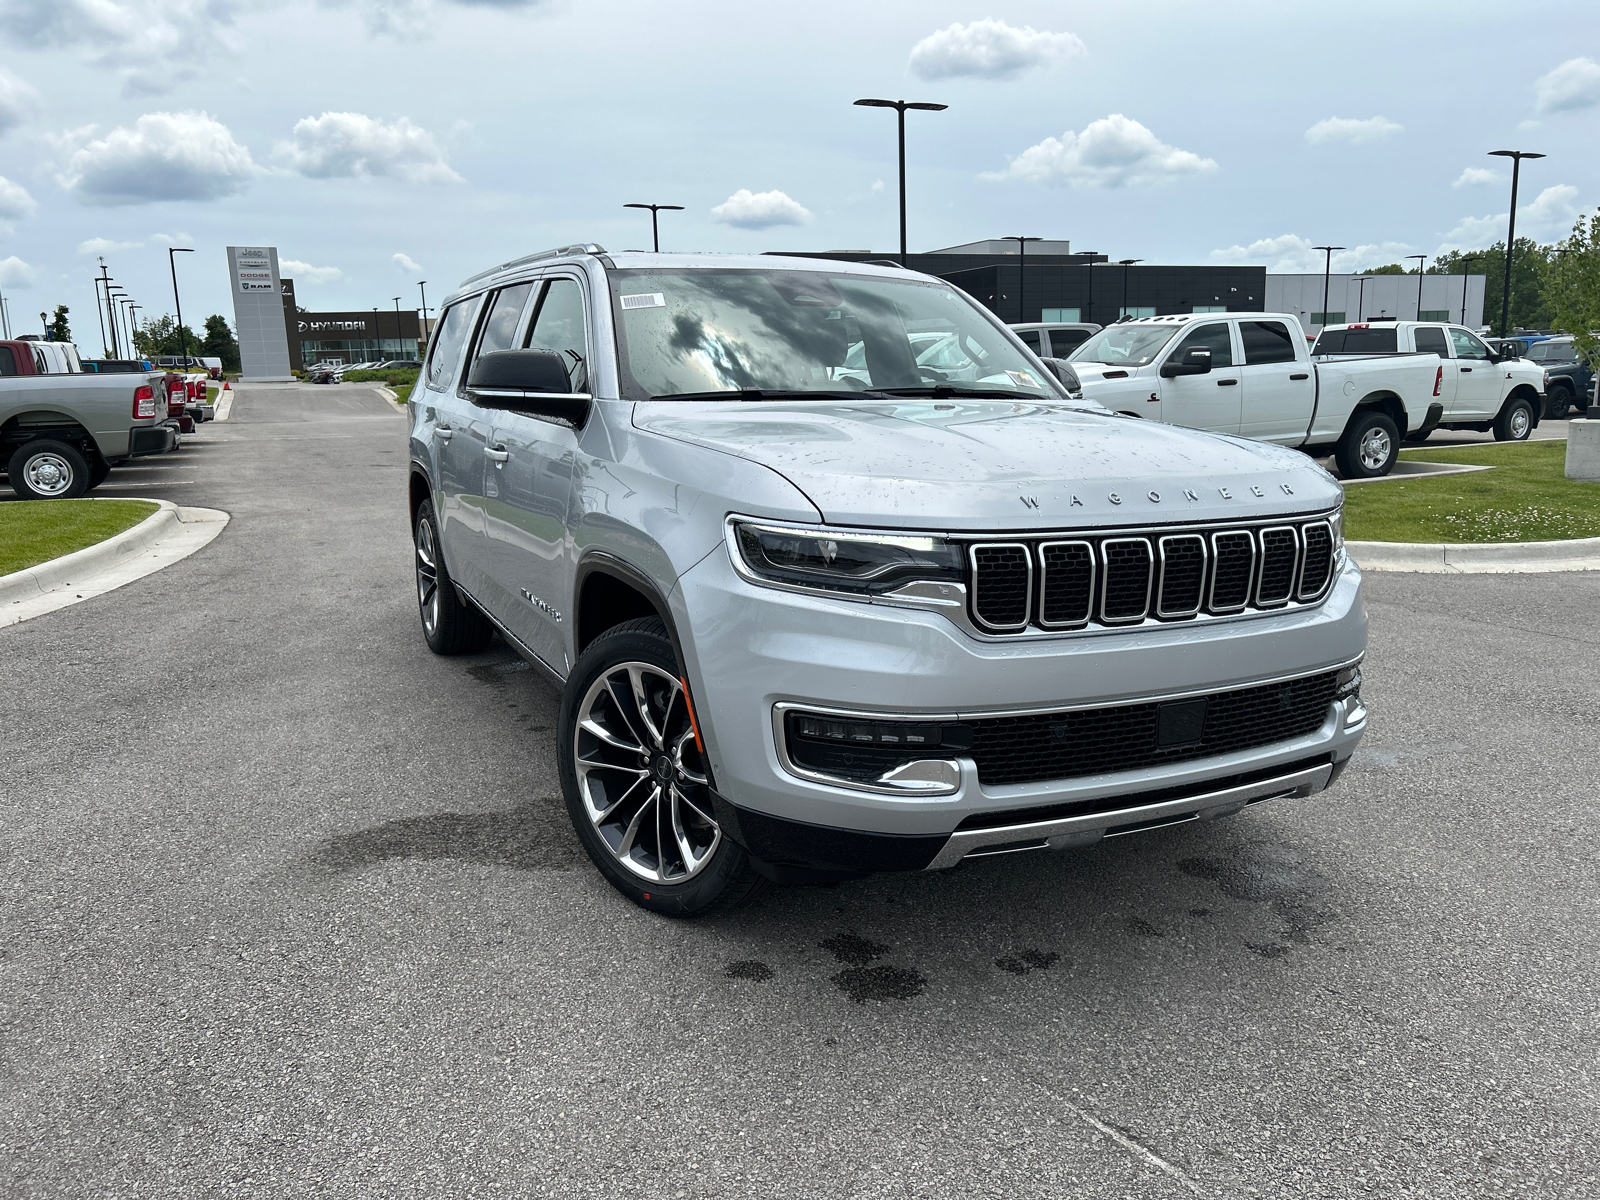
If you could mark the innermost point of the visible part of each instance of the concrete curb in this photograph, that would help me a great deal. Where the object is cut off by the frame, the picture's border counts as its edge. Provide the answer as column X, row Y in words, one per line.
column 164, row 537
column 1477, row 558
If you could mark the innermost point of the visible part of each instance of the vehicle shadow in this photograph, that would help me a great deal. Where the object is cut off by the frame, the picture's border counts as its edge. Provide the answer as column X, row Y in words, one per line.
column 532, row 837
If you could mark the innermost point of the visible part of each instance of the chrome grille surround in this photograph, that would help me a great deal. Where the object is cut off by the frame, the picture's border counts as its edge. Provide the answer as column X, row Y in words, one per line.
column 976, row 554
column 1060, row 551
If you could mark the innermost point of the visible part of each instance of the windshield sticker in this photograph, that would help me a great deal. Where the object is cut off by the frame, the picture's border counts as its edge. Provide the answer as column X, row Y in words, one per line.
column 645, row 300
column 1023, row 379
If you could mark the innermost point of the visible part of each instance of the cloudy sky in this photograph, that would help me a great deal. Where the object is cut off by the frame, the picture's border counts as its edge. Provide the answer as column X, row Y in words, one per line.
column 378, row 143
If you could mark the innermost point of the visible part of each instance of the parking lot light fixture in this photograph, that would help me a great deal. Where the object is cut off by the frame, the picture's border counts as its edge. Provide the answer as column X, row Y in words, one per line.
column 397, row 335
column 900, row 107
column 1327, row 276
column 422, row 286
column 1422, row 261
column 655, row 228
column 1516, row 157
column 1466, row 262
column 45, row 321
column 1361, row 295
column 1125, row 263
column 1022, row 271
column 183, row 338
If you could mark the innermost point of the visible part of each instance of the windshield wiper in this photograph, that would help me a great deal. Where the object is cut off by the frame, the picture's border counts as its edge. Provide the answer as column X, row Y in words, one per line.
column 940, row 390
column 765, row 394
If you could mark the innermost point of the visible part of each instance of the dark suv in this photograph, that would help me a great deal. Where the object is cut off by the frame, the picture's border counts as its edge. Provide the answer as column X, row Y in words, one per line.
column 1566, row 375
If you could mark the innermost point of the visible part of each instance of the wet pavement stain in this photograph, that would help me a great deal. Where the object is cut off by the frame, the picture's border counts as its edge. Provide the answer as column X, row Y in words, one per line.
column 853, row 950
column 1028, row 960
column 527, row 838
column 880, row 983
column 1275, row 875
column 749, row 968
column 1143, row 928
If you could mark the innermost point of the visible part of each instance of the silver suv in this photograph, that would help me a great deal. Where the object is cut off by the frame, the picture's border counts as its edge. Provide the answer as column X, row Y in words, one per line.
column 835, row 576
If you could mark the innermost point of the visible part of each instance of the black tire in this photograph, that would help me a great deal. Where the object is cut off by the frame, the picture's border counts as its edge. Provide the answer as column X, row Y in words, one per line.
column 1515, row 421
column 1556, row 403
column 44, row 469
column 449, row 624
column 99, row 472
column 702, row 870
column 1369, row 447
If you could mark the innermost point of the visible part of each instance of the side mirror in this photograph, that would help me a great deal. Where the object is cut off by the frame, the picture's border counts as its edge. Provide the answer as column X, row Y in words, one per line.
column 1196, row 361
column 1064, row 373
column 530, row 381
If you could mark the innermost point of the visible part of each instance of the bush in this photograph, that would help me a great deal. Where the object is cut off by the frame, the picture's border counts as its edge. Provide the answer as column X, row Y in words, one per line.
column 400, row 381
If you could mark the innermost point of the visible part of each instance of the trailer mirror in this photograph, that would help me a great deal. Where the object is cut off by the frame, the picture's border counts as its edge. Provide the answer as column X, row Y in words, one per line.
column 1196, row 361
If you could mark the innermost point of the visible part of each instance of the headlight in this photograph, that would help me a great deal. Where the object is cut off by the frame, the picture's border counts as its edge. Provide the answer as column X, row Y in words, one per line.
column 857, row 563
column 1337, row 521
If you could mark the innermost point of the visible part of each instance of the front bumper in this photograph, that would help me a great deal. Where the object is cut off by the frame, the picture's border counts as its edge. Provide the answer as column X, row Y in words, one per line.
column 750, row 650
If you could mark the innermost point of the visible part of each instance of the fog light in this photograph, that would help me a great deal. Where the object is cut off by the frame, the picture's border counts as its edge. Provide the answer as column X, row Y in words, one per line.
column 1347, row 683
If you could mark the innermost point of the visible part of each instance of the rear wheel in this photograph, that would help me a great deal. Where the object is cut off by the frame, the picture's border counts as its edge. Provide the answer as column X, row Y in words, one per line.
column 449, row 624
column 635, row 778
column 1515, row 422
column 1369, row 446
column 48, row 470
column 1556, row 403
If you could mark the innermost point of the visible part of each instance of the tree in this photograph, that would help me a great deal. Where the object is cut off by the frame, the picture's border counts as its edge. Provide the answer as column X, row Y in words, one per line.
column 160, row 336
column 1575, row 286
column 59, row 330
column 1530, row 274
column 220, row 342
column 1391, row 269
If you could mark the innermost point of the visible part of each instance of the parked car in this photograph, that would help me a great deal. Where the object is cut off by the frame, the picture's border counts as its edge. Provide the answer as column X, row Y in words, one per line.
column 48, row 358
column 1567, row 375
column 399, row 364
column 1055, row 339
column 324, row 372
column 1480, row 390
column 62, row 432
column 119, row 366
column 212, row 367
column 809, row 625
column 1251, row 374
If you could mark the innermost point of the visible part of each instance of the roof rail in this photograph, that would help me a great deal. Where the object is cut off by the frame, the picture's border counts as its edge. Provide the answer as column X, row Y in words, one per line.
column 883, row 262
column 558, row 252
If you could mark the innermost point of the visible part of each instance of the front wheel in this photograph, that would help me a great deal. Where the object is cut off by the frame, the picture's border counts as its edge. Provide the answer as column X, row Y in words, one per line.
column 1556, row 403
column 635, row 778
column 48, row 470
column 1515, row 422
column 1369, row 446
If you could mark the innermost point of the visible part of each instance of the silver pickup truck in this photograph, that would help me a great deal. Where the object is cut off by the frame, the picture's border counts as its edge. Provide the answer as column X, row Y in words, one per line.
column 834, row 576
column 60, row 435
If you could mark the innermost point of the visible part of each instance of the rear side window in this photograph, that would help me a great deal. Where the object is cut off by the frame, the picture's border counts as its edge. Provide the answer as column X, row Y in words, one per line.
column 1064, row 341
column 8, row 361
column 1266, row 342
column 1030, row 338
column 1208, row 337
column 1431, row 341
column 1357, row 341
column 448, row 339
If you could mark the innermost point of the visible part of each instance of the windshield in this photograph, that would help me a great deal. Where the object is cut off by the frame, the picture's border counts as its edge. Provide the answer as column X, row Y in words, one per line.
column 1124, row 345
column 698, row 332
column 1553, row 352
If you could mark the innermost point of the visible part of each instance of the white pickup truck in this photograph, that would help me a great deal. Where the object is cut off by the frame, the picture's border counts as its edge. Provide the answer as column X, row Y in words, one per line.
column 1251, row 374
column 1479, row 389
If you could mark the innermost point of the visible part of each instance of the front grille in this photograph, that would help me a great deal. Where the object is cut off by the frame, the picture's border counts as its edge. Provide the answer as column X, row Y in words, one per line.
column 1167, row 575
column 1051, row 746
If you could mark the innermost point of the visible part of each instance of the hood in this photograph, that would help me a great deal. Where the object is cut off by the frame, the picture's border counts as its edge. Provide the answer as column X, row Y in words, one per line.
column 998, row 464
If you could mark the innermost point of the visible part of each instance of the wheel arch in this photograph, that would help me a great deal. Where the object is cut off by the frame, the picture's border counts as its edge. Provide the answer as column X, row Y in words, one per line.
column 421, row 489
column 1523, row 391
column 1385, row 402
column 607, row 591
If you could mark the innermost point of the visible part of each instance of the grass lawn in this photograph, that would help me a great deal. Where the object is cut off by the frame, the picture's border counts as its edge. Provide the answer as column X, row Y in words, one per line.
column 35, row 531
column 1526, row 498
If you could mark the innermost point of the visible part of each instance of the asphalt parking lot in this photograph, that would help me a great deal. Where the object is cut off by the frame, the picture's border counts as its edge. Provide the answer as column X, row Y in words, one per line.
column 292, row 907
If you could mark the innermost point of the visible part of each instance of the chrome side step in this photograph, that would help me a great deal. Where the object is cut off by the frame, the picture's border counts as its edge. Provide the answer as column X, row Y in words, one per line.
column 1091, row 827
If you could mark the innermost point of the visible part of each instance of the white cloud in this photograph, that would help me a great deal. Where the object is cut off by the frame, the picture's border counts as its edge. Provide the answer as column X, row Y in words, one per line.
column 760, row 210
column 172, row 239
column 877, row 186
column 1291, row 254
column 104, row 246
column 990, row 49
column 18, row 101
column 1473, row 176
column 14, row 273
column 1348, row 129
column 1572, row 86
column 165, row 156
column 1112, row 152
column 339, row 145
column 1551, row 214
column 406, row 263
column 305, row 273
column 15, row 203
column 150, row 44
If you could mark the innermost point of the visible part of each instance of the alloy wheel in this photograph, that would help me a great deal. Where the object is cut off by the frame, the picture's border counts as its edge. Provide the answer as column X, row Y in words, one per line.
column 427, row 575
column 641, row 775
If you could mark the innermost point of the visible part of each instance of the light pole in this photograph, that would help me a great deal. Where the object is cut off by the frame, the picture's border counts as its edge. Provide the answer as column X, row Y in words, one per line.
column 45, row 321
column 105, row 281
column 422, row 285
column 1466, row 261
column 655, row 229
column 377, row 332
column 1327, row 275
column 900, row 107
column 172, row 263
column 398, row 343
column 1422, row 260
column 132, row 310
column 5, row 323
column 122, row 311
column 1125, row 263
column 1361, row 296
column 112, row 291
column 1516, row 157
column 1022, row 271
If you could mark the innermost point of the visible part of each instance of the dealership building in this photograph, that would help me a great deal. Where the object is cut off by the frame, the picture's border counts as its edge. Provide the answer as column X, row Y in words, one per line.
column 349, row 336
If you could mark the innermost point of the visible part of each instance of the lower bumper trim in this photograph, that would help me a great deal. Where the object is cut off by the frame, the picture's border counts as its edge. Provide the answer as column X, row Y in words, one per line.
column 1091, row 827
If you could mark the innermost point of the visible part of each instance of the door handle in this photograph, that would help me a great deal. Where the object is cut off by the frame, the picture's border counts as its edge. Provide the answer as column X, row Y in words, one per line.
column 1300, row 375
column 1466, row 370
column 443, row 432
column 498, row 456
column 1226, row 382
